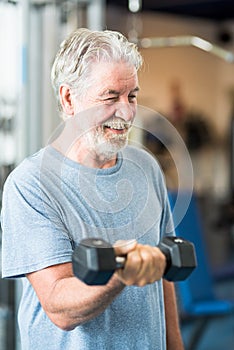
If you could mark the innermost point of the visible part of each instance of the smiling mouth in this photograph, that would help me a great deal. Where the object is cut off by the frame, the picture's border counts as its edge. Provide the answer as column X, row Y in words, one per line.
column 116, row 126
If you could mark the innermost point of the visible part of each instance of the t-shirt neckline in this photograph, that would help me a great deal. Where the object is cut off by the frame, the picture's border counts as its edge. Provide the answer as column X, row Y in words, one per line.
column 75, row 165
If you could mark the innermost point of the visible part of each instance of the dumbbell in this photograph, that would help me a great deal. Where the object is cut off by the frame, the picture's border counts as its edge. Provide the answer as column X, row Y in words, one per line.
column 94, row 260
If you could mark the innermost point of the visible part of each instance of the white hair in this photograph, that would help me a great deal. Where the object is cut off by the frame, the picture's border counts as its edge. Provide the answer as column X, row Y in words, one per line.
column 81, row 49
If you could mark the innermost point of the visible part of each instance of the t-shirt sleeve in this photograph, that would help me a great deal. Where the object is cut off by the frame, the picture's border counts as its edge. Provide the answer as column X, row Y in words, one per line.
column 33, row 234
column 167, row 223
column 154, row 170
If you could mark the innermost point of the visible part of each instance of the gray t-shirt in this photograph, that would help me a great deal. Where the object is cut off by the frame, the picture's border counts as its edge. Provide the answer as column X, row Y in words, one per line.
column 49, row 204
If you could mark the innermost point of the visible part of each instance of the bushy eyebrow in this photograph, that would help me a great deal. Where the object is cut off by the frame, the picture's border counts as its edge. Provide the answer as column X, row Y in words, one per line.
column 115, row 92
column 136, row 89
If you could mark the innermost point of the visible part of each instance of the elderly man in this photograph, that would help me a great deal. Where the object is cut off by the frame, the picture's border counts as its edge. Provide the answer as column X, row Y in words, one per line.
column 88, row 182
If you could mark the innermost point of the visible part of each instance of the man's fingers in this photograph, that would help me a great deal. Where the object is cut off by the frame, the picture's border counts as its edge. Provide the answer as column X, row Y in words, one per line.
column 144, row 265
column 123, row 247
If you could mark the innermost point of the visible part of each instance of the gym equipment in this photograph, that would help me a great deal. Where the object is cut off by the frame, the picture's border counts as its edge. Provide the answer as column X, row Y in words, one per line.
column 94, row 260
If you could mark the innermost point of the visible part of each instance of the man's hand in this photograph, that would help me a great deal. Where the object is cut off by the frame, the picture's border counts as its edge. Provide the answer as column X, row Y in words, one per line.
column 144, row 264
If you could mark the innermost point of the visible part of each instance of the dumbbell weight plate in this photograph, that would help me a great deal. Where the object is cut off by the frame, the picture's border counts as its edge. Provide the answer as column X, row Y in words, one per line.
column 181, row 258
column 92, row 264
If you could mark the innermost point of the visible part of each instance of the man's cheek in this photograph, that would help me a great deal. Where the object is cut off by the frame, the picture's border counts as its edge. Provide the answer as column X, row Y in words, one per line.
column 94, row 117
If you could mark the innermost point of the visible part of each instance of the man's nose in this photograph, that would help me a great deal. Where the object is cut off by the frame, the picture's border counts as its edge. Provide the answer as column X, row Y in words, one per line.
column 125, row 111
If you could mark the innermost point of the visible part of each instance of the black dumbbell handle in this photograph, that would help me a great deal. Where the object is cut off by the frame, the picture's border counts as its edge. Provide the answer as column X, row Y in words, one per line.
column 180, row 260
column 120, row 262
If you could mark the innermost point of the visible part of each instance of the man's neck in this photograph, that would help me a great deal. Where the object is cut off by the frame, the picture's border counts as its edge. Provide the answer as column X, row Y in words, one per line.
column 79, row 154
column 90, row 158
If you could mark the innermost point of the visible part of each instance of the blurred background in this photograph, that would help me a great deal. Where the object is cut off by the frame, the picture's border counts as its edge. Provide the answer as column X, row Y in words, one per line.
column 188, row 77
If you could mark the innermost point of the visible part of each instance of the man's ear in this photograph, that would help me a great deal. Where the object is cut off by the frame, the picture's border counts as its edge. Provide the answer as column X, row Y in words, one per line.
column 66, row 99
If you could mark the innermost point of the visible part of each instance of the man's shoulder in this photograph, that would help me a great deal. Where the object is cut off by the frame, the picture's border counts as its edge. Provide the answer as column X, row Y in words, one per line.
column 27, row 169
column 140, row 154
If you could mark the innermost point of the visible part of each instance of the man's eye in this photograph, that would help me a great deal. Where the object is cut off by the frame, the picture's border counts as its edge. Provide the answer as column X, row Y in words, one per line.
column 111, row 99
column 132, row 98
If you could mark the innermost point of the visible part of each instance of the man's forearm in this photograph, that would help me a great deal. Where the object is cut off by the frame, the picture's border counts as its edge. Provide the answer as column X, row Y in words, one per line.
column 67, row 301
column 174, row 339
column 70, row 305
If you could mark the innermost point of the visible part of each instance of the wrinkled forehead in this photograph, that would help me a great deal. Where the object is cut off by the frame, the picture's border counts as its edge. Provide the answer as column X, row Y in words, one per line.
column 108, row 74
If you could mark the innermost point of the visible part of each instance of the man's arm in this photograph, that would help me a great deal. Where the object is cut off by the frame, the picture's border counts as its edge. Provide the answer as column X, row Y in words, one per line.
column 68, row 302
column 174, row 339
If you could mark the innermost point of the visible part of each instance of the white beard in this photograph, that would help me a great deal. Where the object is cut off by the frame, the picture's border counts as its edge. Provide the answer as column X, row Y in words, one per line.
column 104, row 145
